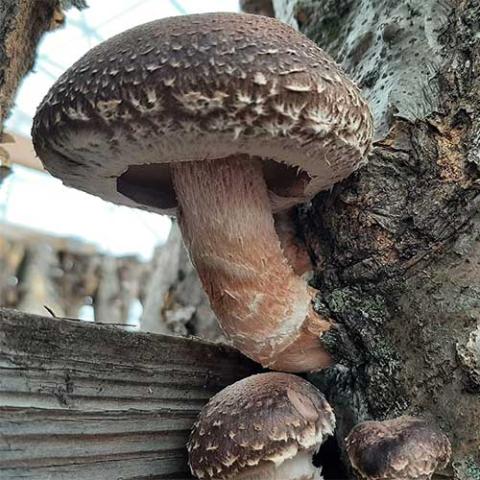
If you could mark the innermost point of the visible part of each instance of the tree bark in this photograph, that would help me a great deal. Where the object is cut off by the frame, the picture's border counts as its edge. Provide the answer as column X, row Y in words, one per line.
column 258, row 7
column 165, row 268
column 22, row 24
column 83, row 401
column 396, row 246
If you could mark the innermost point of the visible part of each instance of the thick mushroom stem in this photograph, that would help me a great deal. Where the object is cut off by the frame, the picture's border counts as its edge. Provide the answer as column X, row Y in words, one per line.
column 227, row 224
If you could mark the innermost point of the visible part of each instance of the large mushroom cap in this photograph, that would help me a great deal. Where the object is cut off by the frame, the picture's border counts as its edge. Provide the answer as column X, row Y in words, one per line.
column 201, row 87
column 259, row 422
column 405, row 448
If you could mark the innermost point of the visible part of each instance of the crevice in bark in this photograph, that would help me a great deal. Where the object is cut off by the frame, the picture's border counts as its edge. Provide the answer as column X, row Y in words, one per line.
column 327, row 460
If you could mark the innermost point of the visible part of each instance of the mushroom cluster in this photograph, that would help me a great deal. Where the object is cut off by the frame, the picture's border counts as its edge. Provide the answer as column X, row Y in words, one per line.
column 226, row 121
column 222, row 119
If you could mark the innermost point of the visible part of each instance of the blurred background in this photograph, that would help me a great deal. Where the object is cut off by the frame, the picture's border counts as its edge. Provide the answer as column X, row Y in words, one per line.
column 66, row 253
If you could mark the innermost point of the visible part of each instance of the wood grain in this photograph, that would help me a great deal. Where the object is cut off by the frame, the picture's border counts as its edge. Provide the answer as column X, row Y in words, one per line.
column 83, row 401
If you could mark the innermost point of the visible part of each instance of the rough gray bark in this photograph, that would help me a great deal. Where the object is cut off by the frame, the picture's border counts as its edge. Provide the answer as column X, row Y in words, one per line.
column 397, row 246
column 84, row 401
column 22, row 24
column 165, row 267
column 188, row 293
column 258, row 7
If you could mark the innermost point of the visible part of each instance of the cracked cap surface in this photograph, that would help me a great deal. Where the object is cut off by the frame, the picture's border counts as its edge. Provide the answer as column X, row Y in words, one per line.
column 200, row 87
column 265, row 418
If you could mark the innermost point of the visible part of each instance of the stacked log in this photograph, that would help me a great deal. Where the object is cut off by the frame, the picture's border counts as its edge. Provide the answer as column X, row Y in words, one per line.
column 40, row 273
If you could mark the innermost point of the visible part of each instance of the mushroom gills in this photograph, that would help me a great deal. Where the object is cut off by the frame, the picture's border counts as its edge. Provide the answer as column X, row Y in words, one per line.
column 151, row 184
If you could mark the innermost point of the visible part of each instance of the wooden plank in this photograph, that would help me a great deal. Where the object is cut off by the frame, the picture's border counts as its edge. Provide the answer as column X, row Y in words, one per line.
column 85, row 401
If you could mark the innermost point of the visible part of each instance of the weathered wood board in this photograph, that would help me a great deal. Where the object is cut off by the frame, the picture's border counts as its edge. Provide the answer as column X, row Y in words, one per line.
column 84, row 401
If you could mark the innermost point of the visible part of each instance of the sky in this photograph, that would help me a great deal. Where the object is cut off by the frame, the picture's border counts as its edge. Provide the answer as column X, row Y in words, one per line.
column 36, row 200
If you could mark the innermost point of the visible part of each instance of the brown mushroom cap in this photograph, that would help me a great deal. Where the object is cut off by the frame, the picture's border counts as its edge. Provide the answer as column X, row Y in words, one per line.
column 201, row 87
column 263, row 420
column 405, row 448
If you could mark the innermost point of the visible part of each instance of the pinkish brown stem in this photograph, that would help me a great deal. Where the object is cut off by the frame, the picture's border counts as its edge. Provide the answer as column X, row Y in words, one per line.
column 262, row 305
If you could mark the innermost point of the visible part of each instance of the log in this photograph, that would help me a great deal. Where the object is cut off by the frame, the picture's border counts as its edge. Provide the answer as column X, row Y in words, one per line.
column 38, row 269
column 396, row 245
column 163, row 277
column 64, row 274
column 258, row 7
column 22, row 25
column 37, row 289
column 119, row 286
column 85, row 401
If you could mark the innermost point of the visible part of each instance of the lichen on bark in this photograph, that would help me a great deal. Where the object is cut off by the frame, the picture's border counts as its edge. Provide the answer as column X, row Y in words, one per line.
column 392, row 49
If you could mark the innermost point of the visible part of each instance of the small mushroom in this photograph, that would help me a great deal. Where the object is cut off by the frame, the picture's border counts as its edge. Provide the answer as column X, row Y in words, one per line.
column 222, row 119
column 265, row 427
column 405, row 448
